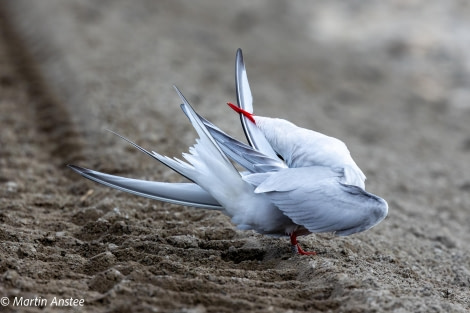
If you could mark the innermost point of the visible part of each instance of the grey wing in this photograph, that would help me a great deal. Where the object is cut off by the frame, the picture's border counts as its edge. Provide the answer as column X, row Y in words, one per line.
column 188, row 194
column 251, row 159
column 245, row 101
column 316, row 199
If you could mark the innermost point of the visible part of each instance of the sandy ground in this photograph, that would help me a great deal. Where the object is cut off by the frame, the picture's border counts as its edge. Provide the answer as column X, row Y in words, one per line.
column 391, row 79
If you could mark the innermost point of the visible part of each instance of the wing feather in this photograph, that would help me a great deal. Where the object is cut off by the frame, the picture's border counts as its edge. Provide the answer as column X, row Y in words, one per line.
column 245, row 101
column 315, row 198
column 246, row 156
column 179, row 193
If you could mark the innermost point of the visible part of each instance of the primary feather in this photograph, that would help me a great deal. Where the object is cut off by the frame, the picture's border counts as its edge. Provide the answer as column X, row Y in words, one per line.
column 245, row 101
column 178, row 193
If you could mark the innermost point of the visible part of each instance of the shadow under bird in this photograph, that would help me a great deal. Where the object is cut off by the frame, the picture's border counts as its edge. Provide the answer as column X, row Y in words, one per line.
column 297, row 181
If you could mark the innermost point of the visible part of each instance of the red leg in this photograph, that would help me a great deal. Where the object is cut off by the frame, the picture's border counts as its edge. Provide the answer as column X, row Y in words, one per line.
column 296, row 246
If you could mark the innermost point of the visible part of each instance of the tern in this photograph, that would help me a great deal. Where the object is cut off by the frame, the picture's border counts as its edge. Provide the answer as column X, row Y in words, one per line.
column 296, row 181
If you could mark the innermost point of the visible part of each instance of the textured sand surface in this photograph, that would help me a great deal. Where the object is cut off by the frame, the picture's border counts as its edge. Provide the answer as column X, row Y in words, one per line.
column 391, row 79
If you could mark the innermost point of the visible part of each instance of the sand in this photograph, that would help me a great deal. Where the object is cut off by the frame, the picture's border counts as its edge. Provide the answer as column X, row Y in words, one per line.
column 390, row 79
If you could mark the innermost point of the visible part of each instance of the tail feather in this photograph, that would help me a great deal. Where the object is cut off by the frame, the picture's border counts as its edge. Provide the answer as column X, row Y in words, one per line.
column 203, row 132
column 176, row 167
column 218, row 184
column 203, row 157
column 209, row 166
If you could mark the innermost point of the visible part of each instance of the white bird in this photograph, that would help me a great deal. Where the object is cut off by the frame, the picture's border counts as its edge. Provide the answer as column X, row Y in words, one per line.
column 297, row 181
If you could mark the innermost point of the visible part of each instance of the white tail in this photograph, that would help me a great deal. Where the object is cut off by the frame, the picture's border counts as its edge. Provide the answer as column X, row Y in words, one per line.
column 209, row 167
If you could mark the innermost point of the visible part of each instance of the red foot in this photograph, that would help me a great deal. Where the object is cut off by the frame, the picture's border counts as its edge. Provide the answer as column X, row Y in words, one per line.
column 241, row 111
column 296, row 246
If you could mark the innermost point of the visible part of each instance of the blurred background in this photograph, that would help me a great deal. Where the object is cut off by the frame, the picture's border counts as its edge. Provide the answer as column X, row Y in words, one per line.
column 391, row 79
